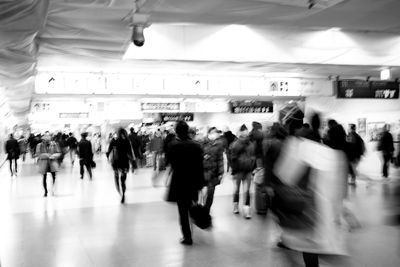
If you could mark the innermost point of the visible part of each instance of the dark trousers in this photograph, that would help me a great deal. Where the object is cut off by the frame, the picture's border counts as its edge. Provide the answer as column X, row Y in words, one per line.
column 310, row 259
column 183, row 209
column 85, row 163
column 15, row 164
column 53, row 174
column 244, row 178
column 386, row 161
column 120, row 180
column 209, row 197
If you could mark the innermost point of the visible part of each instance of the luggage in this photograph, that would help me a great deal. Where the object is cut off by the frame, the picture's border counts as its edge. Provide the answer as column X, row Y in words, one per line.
column 261, row 199
column 200, row 216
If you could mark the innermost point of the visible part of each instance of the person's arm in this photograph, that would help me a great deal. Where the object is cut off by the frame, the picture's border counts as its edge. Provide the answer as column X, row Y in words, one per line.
column 110, row 147
column 220, row 160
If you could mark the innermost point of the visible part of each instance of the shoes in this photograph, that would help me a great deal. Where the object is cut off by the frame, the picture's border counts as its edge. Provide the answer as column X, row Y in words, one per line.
column 236, row 208
column 186, row 241
column 247, row 212
column 123, row 199
column 45, row 194
column 81, row 177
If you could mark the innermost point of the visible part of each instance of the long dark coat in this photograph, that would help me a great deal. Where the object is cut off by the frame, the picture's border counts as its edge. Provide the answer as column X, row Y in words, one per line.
column 124, row 152
column 186, row 160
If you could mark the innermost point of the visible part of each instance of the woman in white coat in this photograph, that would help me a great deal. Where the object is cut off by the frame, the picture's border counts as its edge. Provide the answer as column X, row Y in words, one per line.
column 327, row 174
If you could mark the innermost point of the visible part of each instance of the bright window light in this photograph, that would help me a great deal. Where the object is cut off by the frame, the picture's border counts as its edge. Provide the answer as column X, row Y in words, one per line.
column 385, row 74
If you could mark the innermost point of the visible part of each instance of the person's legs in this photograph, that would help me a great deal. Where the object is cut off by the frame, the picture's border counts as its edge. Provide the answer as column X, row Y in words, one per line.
column 183, row 209
column 246, row 192
column 155, row 161
column 89, row 169
column 310, row 259
column 123, row 184
column 72, row 152
column 53, row 175
column 386, row 160
column 209, row 197
column 45, row 184
column 11, row 169
column 81, row 171
column 237, row 180
column 16, row 166
column 116, row 180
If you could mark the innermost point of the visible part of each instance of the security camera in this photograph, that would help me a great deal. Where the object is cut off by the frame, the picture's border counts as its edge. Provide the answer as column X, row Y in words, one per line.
column 137, row 35
column 311, row 4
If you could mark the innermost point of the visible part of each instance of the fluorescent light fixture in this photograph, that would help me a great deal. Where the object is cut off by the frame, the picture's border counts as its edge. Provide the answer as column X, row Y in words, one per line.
column 385, row 74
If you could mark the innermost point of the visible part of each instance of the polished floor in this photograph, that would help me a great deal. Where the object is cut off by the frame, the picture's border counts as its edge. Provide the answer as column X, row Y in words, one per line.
column 84, row 225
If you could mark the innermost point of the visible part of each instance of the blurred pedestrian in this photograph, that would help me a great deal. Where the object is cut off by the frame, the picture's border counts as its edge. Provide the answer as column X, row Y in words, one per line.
column 120, row 154
column 213, row 164
column 23, row 147
column 85, row 153
column 72, row 144
column 386, row 146
column 12, row 150
column 136, row 144
column 229, row 139
column 186, row 159
column 48, row 153
column 156, row 148
column 243, row 163
column 356, row 149
column 309, row 201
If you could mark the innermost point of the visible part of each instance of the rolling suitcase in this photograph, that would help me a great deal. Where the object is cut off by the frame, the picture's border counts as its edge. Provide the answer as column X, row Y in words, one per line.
column 261, row 199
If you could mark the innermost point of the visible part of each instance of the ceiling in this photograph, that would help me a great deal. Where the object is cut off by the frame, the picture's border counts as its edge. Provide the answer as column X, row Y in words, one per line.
column 93, row 35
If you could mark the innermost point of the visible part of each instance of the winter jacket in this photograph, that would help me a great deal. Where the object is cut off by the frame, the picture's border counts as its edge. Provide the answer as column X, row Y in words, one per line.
column 186, row 160
column 85, row 151
column 213, row 161
column 48, row 154
column 12, row 149
column 386, row 143
column 243, row 156
column 123, row 153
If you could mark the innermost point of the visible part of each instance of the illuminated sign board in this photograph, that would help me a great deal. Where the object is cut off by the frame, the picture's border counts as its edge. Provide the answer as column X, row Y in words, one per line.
column 251, row 107
column 370, row 89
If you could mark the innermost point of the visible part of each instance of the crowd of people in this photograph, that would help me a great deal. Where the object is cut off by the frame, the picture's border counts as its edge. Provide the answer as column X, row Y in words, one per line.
column 299, row 171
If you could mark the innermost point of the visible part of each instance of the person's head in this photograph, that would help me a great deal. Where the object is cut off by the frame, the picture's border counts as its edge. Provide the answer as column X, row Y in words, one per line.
column 84, row 135
column 315, row 122
column 182, row 130
column 332, row 123
column 386, row 128
column 256, row 125
column 277, row 131
column 122, row 134
column 337, row 137
column 243, row 131
column 70, row 134
column 157, row 133
column 213, row 133
column 132, row 130
column 11, row 136
column 352, row 127
column 46, row 137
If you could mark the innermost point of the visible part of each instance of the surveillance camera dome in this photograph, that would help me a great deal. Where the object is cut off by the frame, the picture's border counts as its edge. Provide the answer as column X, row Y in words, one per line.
column 138, row 35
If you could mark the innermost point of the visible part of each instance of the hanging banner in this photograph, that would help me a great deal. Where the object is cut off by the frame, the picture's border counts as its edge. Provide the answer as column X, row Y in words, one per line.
column 166, row 117
column 364, row 89
column 160, row 106
column 238, row 107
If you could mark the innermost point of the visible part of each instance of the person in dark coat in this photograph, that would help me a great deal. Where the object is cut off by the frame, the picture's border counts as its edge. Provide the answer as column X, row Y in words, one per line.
column 72, row 144
column 386, row 146
column 243, row 163
column 186, row 159
column 213, row 164
column 120, row 154
column 85, row 154
column 136, row 143
column 13, row 152
column 356, row 149
column 256, row 137
column 229, row 139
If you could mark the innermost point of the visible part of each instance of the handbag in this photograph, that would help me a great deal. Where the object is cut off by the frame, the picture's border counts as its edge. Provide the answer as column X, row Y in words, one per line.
column 258, row 176
column 92, row 164
column 200, row 216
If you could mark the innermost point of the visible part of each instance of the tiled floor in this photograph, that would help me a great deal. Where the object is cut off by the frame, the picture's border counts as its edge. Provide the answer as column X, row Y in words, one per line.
column 84, row 225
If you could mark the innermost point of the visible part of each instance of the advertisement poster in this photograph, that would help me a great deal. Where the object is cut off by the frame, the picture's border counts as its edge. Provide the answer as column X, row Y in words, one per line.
column 374, row 130
column 362, row 127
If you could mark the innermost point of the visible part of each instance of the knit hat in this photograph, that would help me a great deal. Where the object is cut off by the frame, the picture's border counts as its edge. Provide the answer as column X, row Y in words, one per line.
column 243, row 128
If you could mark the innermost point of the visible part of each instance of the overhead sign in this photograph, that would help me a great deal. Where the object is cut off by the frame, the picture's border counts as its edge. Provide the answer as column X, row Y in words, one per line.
column 251, row 107
column 160, row 106
column 77, row 115
column 166, row 117
column 364, row 89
